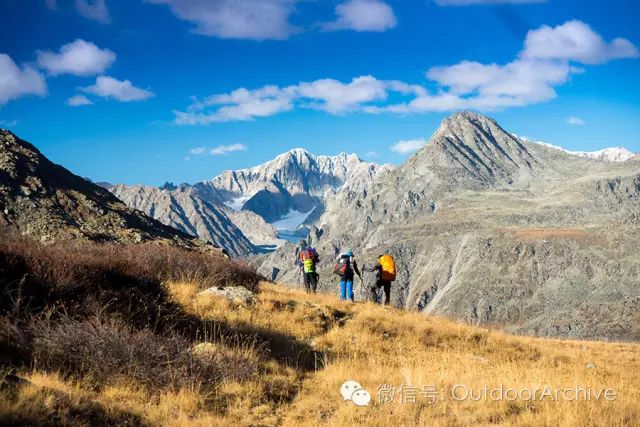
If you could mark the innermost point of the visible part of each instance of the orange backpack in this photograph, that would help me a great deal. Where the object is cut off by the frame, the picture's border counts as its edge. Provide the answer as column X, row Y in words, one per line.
column 388, row 267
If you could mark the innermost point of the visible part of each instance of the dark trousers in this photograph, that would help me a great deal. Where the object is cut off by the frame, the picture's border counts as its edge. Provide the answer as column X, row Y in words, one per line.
column 386, row 285
column 311, row 282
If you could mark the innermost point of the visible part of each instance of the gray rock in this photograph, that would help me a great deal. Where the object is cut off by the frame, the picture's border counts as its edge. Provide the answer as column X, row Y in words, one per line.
column 46, row 201
column 235, row 294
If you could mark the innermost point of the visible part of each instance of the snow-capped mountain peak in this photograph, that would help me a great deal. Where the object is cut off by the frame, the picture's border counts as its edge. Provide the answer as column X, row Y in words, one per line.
column 609, row 154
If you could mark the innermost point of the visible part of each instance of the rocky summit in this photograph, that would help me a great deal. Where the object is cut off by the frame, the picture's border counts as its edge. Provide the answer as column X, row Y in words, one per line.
column 253, row 210
column 493, row 229
column 46, row 201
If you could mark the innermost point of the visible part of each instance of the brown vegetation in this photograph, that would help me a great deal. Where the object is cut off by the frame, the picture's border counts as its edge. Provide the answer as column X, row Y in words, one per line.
column 209, row 361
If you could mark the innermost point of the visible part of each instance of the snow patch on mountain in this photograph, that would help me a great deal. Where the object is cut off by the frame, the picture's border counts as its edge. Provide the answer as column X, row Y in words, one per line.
column 292, row 220
column 609, row 154
column 236, row 203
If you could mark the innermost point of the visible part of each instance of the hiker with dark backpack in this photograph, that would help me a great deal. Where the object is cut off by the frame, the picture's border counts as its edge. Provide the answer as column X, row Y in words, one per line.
column 309, row 258
column 385, row 269
column 346, row 267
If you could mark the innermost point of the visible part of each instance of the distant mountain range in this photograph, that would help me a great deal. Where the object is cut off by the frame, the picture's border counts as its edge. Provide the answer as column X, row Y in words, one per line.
column 486, row 227
column 610, row 154
column 494, row 229
column 253, row 210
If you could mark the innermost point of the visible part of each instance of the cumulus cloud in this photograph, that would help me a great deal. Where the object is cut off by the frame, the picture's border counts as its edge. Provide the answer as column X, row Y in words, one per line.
column 243, row 104
column 408, row 146
column 78, row 100
column 121, row 90
column 576, row 121
column 223, row 150
column 197, row 151
column 575, row 41
column 531, row 77
column 80, row 58
column 362, row 15
column 335, row 97
column 240, row 105
column 16, row 81
column 236, row 19
column 483, row 2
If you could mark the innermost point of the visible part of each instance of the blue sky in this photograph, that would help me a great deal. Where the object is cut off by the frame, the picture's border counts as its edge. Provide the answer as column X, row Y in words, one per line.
column 145, row 91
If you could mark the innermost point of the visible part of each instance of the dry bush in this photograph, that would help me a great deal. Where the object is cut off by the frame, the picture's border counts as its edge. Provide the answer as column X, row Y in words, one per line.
column 111, row 351
column 83, row 278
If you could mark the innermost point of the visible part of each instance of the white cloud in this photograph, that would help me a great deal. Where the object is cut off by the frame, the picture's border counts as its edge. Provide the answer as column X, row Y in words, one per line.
column 197, row 151
column 483, row 2
column 325, row 94
column 16, row 81
column 223, row 150
column 94, row 9
column 336, row 97
column 239, row 105
column 372, row 154
column 78, row 100
column 575, row 41
column 236, row 19
column 530, row 78
column 408, row 146
column 362, row 15
column 121, row 90
column 80, row 58
column 519, row 82
column 576, row 121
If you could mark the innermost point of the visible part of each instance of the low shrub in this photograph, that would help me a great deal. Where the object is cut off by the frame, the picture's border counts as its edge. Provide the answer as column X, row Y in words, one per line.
column 107, row 351
column 82, row 278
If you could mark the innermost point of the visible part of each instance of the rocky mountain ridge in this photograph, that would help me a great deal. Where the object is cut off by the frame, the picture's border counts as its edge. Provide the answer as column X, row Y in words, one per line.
column 251, row 210
column 46, row 201
column 492, row 229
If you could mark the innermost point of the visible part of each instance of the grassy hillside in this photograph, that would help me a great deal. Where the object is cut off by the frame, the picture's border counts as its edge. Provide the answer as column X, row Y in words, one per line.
column 282, row 361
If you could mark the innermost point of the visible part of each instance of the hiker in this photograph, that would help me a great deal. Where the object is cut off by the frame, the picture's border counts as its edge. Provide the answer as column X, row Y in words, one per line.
column 345, row 267
column 385, row 269
column 309, row 258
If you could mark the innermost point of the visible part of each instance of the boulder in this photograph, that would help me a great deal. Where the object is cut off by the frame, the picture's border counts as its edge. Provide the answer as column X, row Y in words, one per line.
column 236, row 294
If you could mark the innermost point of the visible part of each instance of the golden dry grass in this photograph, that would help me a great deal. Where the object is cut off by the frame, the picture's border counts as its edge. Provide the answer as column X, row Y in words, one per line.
column 375, row 346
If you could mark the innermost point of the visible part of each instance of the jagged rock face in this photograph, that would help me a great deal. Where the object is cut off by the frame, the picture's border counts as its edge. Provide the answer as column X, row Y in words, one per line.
column 296, row 180
column 184, row 209
column 492, row 229
column 48, row 202
column 471, row 151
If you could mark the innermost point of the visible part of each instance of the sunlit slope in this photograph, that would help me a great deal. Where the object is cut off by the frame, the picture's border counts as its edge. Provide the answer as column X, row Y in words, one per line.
column 305, row 347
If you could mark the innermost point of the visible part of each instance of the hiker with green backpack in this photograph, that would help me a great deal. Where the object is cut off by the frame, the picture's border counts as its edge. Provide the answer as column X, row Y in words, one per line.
column 346, row 267
column 385, row 269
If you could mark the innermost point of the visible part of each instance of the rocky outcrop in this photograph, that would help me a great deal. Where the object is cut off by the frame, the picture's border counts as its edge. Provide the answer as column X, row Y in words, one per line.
column 185, row 209
column 44, row 200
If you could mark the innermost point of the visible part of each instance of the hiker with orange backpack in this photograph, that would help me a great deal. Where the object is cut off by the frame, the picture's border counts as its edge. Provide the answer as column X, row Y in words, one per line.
column 345, row 267
column 385, row 269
